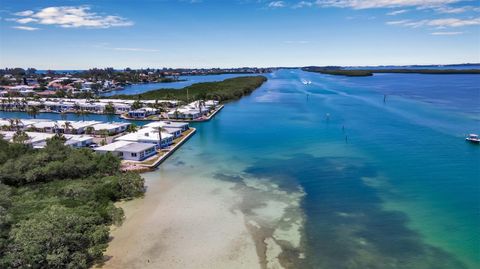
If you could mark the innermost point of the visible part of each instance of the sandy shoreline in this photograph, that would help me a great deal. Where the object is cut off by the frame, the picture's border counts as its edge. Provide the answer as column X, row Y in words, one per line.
column 187, row 221
column 182, row 224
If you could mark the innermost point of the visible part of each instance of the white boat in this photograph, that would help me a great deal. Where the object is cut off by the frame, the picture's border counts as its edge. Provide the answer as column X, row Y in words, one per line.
column 306, row 82
column 473, row 138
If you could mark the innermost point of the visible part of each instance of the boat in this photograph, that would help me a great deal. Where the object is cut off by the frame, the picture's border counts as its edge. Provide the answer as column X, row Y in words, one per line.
column 306, row 82
column 473, row 138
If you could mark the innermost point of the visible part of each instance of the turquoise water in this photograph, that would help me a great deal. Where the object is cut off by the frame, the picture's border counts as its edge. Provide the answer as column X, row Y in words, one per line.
column 402, row 192
column 386, row 185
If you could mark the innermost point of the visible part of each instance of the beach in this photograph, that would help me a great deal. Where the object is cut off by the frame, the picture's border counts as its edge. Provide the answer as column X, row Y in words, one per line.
column 182, row 225
column 205, row 220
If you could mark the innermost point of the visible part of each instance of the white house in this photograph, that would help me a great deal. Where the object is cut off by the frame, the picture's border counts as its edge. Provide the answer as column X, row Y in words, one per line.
column 142, row 112
column 148, row 135
column 168, row 124
column 111, row 128
column 129, row 150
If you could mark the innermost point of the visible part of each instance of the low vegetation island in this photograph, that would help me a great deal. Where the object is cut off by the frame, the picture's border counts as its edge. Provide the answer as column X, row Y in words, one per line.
column 370, row 72
column 223, row 91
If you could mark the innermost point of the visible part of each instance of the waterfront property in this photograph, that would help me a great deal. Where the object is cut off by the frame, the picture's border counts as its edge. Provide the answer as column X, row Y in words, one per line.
column 127, row 150
column 193, row 110
column 110, row 128
column 142, row 112
column 63, row 127
column 149, row 135
column 174, row 129
column 96, row 106
column 39, row 140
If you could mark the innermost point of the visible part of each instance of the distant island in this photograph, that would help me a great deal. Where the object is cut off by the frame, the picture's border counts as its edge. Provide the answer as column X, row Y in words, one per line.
column 223, row 91
column 369, row 72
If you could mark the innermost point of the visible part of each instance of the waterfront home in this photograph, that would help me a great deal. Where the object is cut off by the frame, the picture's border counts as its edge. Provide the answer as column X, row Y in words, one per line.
column 92, row 107
column 185, row 114
column 169, row 124
column 121, row 108
column 75, row 127
column 39, row 140
column 174, row 128
column 142, row 112
column 128, row 150
column 111, row 128
column 78, row 141
column 148, row 135
column 71, row 127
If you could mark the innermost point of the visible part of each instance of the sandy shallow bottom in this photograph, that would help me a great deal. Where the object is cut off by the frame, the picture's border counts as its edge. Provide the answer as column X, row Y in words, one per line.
column 183, row 223
column 209, row 216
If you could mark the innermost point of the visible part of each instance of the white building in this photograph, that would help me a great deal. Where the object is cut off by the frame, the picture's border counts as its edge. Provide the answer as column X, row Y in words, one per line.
column 111, row 128
column 148, row 135
column 142, row 112
column 129, row 150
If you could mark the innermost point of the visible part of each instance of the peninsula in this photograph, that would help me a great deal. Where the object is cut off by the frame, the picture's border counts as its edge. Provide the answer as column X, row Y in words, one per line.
column 223, row 91
column 370, row 72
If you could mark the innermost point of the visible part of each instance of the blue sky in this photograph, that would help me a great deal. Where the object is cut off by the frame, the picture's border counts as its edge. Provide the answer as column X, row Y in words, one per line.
column 212, row 33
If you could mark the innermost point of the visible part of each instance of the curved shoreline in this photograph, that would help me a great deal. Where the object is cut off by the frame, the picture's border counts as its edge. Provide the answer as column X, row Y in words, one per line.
column 187, row 220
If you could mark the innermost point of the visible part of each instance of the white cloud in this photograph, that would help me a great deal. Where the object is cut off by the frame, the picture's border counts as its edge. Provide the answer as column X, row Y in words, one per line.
column 24, row 13
column 71, row 17
column 397, row 12
column 446, row 33
column 302, row 4
column 25, row 28
column 453, row 22
column 25, row 20
column 363, row 4
column 438, row 23
column 400, row 22
column 276, row 4
column 456, row 10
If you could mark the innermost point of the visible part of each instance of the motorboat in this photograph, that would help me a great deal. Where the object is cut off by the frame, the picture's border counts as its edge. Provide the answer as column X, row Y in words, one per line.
column 473, row 138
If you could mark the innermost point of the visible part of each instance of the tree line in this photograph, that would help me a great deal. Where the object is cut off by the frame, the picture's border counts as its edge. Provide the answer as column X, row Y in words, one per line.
column 226, row 90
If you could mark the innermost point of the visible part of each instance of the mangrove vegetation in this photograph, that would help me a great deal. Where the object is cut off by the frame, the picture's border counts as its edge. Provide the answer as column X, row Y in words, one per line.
column 226, row 90
column 57, row 203
column 370, row 72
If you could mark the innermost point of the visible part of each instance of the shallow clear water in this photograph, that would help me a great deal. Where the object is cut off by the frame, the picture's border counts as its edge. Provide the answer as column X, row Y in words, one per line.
column 386, row 184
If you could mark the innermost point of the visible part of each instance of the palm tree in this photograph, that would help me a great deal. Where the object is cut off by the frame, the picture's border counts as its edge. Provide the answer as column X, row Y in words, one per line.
column 55, row 128
column 68, row 126
column 33, row 111
column 20, row 137
column 63, row 115
column 132, row 128
column 160, row 129
column 15, row 124
column 12, row 124
column 9, row 101
column 24, row 103
column 89, row 130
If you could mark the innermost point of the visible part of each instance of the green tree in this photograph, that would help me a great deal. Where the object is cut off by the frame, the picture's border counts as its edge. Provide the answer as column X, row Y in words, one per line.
column 20, row 137
column 132, row 128
column 109, row 108
column 58, row 237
